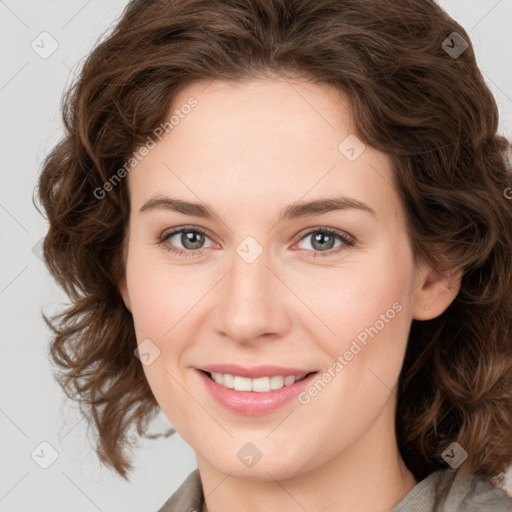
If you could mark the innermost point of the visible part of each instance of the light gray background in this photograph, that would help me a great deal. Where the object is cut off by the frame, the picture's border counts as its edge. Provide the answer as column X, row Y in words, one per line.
column 32, row 406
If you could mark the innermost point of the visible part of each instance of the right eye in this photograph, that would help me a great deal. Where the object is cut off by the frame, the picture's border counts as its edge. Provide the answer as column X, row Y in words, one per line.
column 191, row 239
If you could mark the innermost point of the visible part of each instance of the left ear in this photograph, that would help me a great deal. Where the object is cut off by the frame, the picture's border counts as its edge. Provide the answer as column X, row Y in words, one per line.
column 434, row 292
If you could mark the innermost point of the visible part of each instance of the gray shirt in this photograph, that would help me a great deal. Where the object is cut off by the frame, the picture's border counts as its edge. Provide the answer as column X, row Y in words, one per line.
column 442, row 491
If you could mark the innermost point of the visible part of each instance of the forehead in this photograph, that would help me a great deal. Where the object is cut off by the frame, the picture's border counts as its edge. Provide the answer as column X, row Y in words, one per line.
column 276, row 112
column 264, row 141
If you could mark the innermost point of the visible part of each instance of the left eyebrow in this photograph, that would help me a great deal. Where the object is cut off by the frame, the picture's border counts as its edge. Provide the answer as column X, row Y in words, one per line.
column 319, row 206
column 292, row 211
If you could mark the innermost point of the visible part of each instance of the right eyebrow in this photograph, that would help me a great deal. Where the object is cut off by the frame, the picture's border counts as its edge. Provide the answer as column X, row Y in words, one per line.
column 180, row 206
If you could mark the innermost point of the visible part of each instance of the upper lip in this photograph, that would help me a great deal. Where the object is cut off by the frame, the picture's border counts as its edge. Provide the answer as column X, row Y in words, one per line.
column 255, row 371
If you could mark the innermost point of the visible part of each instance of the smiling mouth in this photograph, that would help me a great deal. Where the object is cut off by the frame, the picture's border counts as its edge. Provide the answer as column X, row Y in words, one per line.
column 258, row 385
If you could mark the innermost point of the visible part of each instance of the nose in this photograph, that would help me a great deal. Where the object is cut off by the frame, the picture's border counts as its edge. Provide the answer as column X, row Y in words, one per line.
column 253, row 302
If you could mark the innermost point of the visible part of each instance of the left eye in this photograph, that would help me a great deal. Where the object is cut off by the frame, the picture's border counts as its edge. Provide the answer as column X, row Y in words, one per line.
column 324, row 240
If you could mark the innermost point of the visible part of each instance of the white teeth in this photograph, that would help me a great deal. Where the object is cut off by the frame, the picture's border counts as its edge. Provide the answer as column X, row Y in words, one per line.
column 276, row 382
column 228, row 380
column 259, row 385
column 241, row 384
column 289, row 380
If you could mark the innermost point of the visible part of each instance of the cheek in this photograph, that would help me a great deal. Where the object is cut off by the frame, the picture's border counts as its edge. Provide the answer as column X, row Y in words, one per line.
column 165, row 303
column 349, row 299
column 155, row 292
column 367, row 312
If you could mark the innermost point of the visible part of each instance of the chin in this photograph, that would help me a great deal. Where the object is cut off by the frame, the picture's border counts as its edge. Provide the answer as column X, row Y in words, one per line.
column 267, row 468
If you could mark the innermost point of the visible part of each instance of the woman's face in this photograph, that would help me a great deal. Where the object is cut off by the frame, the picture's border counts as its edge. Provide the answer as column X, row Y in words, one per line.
column 264, row 286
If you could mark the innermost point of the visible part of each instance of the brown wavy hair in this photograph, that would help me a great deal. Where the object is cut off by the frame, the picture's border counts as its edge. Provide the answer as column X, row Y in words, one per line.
column 430, row 112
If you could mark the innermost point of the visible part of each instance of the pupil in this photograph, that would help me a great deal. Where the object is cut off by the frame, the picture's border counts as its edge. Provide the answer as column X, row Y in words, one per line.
column 187, row 239
column 323, row 246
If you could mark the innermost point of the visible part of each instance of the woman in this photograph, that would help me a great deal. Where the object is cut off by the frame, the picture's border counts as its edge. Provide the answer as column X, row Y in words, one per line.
column 284, row 223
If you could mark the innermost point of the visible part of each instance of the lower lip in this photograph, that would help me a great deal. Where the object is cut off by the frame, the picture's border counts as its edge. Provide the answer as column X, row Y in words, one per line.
column 252, row 403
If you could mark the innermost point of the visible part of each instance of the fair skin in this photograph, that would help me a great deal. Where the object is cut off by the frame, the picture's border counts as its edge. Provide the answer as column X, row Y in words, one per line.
column 248, row 150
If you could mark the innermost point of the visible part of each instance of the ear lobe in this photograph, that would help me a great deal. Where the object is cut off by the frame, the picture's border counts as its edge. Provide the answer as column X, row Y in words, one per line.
column 435, row 292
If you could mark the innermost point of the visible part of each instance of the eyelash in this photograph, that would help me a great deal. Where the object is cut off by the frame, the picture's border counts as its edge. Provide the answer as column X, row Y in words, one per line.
column 347, row 241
